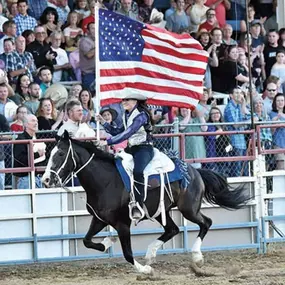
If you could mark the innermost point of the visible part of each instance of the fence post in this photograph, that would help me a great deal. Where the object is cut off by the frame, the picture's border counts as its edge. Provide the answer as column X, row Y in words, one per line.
column 176, row 139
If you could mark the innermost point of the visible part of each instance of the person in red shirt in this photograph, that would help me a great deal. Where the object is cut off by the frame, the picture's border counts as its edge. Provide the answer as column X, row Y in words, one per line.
column 220, row 7
column 211, row 21
column 91, row 18
column 18, row 125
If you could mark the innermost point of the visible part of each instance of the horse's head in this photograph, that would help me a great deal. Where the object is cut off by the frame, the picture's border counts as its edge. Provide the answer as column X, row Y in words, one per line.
column 62, row 162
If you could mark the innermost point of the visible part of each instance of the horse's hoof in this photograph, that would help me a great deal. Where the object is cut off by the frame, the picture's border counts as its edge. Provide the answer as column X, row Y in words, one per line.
column 148, row 270
column 197, row 258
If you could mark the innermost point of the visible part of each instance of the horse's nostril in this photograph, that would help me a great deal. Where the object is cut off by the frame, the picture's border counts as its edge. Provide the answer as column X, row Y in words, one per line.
column 47, row 180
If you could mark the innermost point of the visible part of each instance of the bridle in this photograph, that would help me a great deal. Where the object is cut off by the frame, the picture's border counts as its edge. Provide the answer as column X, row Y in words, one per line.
column 73, row 172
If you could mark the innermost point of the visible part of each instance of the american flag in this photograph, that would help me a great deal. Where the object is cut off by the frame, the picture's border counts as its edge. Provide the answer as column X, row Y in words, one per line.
column 137, row 58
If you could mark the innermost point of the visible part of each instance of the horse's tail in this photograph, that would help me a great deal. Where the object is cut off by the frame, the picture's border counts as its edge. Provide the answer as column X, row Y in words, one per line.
column 219, row 192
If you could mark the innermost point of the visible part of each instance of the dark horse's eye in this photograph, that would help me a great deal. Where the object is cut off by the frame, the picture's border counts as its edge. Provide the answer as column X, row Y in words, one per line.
column 61, row 153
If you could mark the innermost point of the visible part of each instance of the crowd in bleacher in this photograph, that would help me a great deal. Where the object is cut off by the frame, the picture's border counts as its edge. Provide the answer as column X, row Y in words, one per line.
column 45, row 43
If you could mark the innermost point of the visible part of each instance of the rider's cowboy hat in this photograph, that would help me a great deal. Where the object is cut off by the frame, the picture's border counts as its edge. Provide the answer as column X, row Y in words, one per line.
column 112, row 112
column 136, row 97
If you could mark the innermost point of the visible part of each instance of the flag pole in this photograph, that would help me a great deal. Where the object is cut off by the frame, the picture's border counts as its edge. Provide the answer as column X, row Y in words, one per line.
column 97, row 70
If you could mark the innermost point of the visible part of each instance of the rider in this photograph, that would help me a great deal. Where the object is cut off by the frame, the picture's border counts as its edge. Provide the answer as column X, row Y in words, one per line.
column 137, row 129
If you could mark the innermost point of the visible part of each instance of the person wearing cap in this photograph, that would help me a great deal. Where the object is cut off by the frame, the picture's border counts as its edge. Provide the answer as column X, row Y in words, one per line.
column 137, row 130
column 255, row 31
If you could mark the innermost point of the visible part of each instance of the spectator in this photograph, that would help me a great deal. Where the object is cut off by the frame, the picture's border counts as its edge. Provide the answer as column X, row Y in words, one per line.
column 281, row 41
column 87, row 57
column 255, row 31
column 73, row 124
column 34, row 92
column 237, row 10
column 126, row 9
column 21, row 92
column 269, row 94
column 75, row 91
column 278, row 69
column 13, row 11
column 278, row 114
column 227, row 35
column 211, row 21
column 242, row 66
column 72, row 31
column 29, row 36
column 36, row 8
column 251, row 20
column 81, row 7
column 196, row 144
column 26, row 60
column 49, row 20
column 198, row 15
column 270, row 51
column 21, row 153
column 170, row 10
column 9, row 31
column 91, row 18
column 74, row 59
column 265, row 133
column 7, row 107
column 18, row 125
column 110, row 115
column 85, row 99
column 229, row 71
column 23, row 20
column 217, row 145
column 203, row 104
column 3, row 19
column 235, row 112
column 178, row 20
column 61, row 60
column 40, row 50
column 148, row 14
column 4, row 127
column 45, row 75
column 271, row 22
column 46, row 114
column 220, row 7
column 62, row 9
column 204, row 38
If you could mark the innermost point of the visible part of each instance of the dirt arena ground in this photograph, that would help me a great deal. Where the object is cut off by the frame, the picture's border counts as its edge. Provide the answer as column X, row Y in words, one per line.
column 235, row 267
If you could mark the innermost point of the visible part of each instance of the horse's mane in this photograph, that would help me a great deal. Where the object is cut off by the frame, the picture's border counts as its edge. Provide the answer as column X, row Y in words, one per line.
column 92, row 148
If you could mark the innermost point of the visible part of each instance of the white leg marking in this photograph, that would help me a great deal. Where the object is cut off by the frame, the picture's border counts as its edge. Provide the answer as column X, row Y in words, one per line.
column 145, row 269
column 152, row 250
column 197, row 256
column 108, row 242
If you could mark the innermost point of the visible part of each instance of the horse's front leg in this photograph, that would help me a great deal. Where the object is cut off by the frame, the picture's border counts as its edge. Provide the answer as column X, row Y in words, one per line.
column 124, row 234
column 95, row 227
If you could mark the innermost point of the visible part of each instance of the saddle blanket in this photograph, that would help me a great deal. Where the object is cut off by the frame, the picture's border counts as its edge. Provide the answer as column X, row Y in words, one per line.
column 124, row 164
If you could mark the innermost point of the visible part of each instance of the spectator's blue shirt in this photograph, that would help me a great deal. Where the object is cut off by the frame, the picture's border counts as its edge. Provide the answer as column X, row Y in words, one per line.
column 24, row 23
column 177, row 22
column 211, row 142
column 2, row 109
column 169, row 12
column 279, row 134
column 233, row 115
column 36, row 8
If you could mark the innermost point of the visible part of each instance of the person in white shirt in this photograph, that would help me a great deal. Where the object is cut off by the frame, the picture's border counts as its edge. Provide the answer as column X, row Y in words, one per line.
column 62, row 62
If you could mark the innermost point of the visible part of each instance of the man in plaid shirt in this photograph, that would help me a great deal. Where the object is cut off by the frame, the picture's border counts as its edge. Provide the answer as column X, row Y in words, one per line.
column 23, row 20
column 236, row 112
column 19, row 62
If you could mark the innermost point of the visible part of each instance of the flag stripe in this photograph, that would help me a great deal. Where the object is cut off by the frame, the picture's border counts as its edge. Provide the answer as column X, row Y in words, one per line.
column 173, row 66
column 176, row 53
column 109, row 65
column 166, row 97
column 180, row 62
column 148, row 87
column 109, row 73
column 183, row 51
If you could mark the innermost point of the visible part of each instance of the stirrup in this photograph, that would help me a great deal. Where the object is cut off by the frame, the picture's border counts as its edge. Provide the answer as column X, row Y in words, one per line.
column 136, row 205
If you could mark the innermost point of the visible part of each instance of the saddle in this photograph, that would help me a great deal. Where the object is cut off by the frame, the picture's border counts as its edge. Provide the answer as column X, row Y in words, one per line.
column 160, row 171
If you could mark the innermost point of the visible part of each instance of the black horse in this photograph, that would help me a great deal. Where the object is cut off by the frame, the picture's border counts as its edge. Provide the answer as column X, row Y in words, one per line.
column 107, row 199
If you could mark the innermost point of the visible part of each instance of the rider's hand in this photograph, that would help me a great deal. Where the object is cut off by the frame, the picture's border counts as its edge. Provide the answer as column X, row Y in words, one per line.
column 103, row 143
column 100, row 119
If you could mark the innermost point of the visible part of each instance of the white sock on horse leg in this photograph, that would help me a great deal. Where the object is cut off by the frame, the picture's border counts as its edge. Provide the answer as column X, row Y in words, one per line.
column 197, row 245
column 108, row 242
column 197, row 255
column 152, row 249
column 145, row 269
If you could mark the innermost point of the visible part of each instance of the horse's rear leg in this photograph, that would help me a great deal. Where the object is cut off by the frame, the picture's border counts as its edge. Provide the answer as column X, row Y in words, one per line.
column 124, row 234
column 190, row 206
column 170, row 230
column 95, row 227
